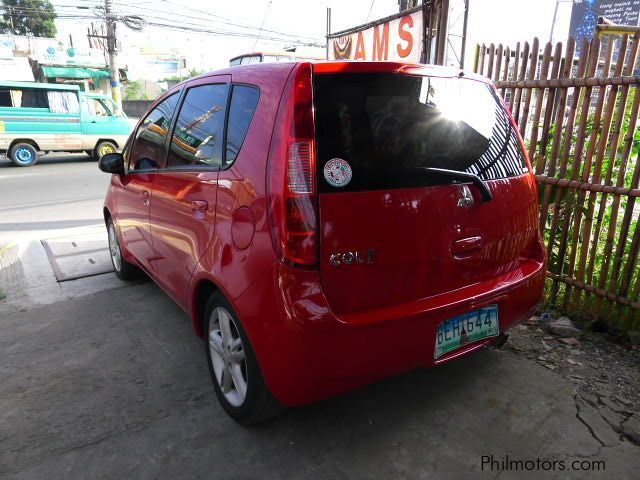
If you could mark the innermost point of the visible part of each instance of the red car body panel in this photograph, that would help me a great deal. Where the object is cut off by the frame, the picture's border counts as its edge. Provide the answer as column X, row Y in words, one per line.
column 320, row 331
column 182, row 217
column 134, row 193
column 307, row 352
column 421, row 261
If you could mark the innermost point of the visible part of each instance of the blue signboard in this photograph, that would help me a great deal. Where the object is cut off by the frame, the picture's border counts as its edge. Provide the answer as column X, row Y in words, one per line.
column 585, row 13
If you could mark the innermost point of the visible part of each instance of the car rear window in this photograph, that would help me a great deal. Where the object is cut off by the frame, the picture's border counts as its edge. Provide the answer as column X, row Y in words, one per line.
column 244, row 100
column 389, row 128
column 198, row 135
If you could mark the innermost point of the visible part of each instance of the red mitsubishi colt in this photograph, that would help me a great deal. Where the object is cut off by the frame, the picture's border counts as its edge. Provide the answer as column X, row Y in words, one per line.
column 326, row 225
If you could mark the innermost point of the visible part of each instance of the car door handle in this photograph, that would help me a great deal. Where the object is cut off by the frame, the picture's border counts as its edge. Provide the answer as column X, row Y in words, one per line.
column 466, row 246
column 144, row 195
column 199, row 206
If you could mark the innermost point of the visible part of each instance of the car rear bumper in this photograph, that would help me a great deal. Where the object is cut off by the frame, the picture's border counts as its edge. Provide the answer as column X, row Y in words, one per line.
column 308, row 353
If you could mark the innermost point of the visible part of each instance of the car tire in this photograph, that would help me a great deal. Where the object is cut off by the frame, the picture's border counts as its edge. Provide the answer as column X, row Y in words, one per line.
column 102, row 148
column 123, row 269
column 23, row 155
column 235, row 372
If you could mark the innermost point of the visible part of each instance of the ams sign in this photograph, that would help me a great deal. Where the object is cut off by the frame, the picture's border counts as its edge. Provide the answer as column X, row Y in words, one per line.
column 396, row 39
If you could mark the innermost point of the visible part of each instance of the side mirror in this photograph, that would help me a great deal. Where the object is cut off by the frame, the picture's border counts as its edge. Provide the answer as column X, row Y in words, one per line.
column 112, row 163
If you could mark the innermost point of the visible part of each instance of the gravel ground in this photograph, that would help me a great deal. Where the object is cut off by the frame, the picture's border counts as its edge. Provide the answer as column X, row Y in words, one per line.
column 606, row 374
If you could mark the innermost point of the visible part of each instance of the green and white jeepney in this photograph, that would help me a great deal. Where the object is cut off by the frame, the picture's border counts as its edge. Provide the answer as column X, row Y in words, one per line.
column 44, row 117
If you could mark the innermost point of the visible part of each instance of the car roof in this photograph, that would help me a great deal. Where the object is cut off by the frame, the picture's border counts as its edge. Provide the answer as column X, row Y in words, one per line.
column 358, row 66
column 351, row 66
column 279, row 54
column 331, row 67
column 44, row 86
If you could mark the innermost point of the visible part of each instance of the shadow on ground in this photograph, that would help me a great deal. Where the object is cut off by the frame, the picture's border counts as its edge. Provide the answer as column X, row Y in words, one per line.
column 116, row 385
column 51, row 159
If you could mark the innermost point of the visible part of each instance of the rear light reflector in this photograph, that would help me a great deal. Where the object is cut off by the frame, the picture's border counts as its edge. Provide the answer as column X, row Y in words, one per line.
column 300, row 168
column 291, row 193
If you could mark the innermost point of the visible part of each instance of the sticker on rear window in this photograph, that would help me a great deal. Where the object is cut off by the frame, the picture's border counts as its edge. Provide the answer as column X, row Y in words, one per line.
column 337, row 172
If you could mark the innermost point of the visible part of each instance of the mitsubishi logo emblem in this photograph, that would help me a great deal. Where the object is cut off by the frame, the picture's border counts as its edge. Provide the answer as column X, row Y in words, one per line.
column 466, row 199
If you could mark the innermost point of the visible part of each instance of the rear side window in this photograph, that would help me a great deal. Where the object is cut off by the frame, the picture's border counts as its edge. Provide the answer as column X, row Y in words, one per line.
column 198, row 135
column 389, row 128
column 149, row 145
column 244, row 100
column 24, row 97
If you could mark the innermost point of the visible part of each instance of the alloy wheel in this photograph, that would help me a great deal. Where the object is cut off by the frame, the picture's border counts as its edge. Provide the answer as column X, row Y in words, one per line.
column 227, row 356
column 114, row 248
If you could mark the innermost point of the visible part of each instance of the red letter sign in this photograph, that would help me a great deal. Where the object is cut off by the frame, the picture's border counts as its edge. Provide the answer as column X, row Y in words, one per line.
column 381, row 46
column 405, row 35
column 360, row 55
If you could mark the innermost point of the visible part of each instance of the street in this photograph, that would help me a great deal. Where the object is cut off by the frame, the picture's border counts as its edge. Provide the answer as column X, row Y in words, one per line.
column 105, row 379
column 61, row 191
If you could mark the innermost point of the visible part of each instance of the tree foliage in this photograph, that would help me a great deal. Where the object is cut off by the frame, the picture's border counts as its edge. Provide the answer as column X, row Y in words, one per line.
column 135, row 91
column 24, row 17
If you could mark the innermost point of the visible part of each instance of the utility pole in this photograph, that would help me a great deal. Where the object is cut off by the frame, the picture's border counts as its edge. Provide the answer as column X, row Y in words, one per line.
column 328, row 30
column 464, row 33
column 111, row 48
column 555, row 15
column 553, row 22
column 11, row 19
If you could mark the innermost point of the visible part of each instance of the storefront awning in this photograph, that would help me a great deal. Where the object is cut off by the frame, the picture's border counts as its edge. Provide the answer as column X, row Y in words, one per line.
column 74, row 72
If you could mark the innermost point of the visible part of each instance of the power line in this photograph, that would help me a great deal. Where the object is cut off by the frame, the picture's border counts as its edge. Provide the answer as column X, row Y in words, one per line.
column 164, row 15
column 226, row 33
column 370, row 8
column 188, row 25
column 199, row 18
column 261, row 25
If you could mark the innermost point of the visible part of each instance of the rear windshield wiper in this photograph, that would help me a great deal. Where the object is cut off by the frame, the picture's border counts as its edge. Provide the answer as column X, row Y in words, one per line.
column 469, row 177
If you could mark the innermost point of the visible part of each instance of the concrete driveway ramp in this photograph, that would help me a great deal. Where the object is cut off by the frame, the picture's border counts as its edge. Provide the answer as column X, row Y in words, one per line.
column 78, row 256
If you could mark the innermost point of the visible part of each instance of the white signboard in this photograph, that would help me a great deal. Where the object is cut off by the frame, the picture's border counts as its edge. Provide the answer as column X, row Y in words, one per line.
column 398, row 39
column 54, row 54
column 6, row 47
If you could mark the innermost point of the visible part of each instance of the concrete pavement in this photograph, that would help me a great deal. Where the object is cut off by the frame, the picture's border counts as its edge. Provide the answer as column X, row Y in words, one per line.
column 46, row 212
column 59, row 192
column 115, row 385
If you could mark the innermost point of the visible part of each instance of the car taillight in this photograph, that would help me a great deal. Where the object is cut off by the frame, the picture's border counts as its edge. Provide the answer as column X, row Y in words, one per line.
column 291, row 190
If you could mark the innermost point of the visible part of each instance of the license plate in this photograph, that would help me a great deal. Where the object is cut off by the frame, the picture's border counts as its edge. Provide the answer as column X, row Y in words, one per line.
column 469, row 327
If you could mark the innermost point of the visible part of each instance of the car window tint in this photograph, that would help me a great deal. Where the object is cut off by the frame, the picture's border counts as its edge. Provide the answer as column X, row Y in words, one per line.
column 244, row 100
column 149, row 145
column 26, row 98
column 392, row 128
column 198, row 134
column 5, row 98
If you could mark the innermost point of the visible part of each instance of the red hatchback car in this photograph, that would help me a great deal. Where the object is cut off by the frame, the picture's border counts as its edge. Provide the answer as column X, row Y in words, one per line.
column 326, row 225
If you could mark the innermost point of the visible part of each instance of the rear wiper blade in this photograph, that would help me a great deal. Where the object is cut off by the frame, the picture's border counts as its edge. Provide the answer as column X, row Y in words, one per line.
column 469, row 177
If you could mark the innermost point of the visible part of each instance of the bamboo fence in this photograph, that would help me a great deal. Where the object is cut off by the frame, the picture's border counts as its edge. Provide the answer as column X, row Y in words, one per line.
column 577, row 110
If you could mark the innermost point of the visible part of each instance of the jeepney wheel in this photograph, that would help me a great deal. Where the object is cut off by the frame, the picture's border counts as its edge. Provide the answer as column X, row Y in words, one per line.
column 102, row 148
column 23, row 154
